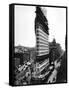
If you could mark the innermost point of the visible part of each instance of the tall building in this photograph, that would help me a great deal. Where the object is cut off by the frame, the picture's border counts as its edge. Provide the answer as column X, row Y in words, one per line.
column 42, row 42
column 42, row 35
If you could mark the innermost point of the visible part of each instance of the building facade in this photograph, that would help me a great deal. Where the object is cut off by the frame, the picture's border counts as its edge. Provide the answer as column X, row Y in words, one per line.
column 42, row 35
column 42, row 42
column 55, row 51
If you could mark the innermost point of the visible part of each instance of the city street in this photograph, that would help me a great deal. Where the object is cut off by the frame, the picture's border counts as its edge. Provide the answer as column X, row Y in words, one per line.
column 52, row 78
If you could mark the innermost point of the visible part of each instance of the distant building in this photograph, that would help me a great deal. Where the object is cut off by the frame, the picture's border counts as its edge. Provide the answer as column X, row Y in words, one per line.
column 23, row 55
column 18, row 59
column 55, row 50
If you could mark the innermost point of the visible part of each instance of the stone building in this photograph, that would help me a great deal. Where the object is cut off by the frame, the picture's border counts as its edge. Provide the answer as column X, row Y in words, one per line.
column 42, row 42
column 42, row 35
column 55, row 51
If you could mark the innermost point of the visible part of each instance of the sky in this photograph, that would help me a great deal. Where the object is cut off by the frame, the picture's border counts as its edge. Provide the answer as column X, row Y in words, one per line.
column 25, row 25
column 57, row 24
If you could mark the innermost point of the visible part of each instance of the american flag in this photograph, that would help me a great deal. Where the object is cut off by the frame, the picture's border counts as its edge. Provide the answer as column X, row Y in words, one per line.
column 42, row 42
column 42, row 38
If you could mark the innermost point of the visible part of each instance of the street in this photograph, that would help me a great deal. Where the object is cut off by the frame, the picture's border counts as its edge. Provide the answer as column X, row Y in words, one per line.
column 52, row 78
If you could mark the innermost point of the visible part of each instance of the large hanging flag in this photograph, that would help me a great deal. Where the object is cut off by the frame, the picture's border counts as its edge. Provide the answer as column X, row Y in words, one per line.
column 42, row 35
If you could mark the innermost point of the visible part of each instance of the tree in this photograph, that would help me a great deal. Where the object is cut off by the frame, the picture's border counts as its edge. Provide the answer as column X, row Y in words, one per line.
column 55, row 51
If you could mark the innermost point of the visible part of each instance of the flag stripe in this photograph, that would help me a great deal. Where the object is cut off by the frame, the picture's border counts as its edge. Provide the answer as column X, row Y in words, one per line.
column 42, row 32
column 45, row 40
column 40, row 26
column 42, row 45
column 42, row 42
column 42, row 36
column 42, row 49
column 42, row 53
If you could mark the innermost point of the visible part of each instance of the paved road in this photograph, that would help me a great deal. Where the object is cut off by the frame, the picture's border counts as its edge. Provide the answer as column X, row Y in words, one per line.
column 52, row 78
